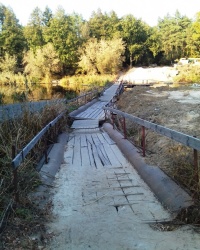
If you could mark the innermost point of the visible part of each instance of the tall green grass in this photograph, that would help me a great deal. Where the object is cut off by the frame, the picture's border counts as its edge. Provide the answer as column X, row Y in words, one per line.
column 188, row 74
column 86, row 82
column 17, row 88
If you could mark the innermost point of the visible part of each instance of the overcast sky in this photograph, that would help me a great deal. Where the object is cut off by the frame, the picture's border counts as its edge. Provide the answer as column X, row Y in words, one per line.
column 147, row 10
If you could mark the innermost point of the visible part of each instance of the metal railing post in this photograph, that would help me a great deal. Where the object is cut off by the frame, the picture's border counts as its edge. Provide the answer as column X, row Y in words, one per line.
column 15, row 177
column 143, row 141
column 55, row 133
column 196, row 165
column 105, row 114
column 124, row 127
column 46, row 148
column 112, row 119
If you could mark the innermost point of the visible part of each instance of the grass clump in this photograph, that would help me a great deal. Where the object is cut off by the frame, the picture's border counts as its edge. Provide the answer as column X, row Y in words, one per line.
column 18, row 133
column 86, row 83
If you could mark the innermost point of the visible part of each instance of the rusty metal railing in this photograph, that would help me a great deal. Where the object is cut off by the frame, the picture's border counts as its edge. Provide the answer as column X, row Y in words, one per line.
column 20, row 157
column 182, row 138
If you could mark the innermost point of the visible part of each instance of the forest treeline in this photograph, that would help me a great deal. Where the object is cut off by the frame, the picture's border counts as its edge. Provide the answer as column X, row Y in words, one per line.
column 55, row 45
column 64, row 44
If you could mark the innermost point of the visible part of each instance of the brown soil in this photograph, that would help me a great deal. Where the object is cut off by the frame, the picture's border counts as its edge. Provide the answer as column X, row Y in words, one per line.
column 155, row 105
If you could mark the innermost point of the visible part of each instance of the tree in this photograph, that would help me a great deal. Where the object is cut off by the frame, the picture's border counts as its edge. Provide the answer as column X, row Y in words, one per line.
column 173, row 33
column 47, row 16
column 64, row 33
column 34, row 30
column 12, row 41
column 104, row 26
column 43, row 63
column 193, row 38
column 154, row 41
column 134, row 33
column 102, row 57
column 8, row 63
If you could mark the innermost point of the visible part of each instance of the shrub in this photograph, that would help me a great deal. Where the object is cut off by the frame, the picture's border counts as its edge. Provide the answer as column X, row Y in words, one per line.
column 19, row 96
column 188, row 74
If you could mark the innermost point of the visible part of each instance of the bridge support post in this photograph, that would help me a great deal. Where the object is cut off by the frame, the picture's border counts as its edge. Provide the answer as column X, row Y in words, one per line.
column 46, row 148
column 143, row 141
column 124, row 127
column 15, row 177
column 196, row 167
column 105, row 114
column 113, row 119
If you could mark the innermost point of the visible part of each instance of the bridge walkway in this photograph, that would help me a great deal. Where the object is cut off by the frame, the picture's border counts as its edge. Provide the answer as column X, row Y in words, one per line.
column 100, row 201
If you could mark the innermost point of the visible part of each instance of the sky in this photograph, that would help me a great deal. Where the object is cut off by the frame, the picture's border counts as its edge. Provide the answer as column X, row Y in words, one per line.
column 148, row 10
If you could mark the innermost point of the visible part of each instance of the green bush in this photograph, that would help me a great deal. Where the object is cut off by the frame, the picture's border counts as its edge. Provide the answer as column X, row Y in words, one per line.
column 188, row 74
column 86, row 82
column 19, row 97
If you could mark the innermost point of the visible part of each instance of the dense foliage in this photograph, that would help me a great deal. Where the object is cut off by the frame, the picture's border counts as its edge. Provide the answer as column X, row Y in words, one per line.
column 60, row 44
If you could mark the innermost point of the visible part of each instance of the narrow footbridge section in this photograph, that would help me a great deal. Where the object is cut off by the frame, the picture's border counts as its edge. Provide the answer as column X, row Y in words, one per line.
column 95, row 111
column 100, row 201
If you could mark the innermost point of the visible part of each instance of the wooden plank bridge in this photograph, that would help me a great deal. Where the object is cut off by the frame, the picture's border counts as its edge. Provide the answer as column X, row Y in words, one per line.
column 100, row 201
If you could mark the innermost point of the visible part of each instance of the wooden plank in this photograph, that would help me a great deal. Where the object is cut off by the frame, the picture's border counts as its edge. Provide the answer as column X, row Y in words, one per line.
column 99, row 157
column 94, row 152
column 96, row 139
column 121, row 158
column 87, row 130
column 92, row 114
column 102, row 155
column 83, row 141
column 71, row 140
column 77, row 152
column 102, row 115
column 98, row 160
column 85, row 157
column 78, row 124
column 89, row 139
column 94, row 111
column 91, row 156
column 108, row 139
column 84, row 114
column 112, row 157
column 101, row 138
column 69, row 155
column 97, row 114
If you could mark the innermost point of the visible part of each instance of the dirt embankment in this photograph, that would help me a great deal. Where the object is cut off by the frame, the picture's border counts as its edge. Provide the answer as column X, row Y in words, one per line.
column 175, row 108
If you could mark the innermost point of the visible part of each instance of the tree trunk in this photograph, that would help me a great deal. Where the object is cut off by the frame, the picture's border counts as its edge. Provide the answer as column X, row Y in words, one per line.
column 131, row 61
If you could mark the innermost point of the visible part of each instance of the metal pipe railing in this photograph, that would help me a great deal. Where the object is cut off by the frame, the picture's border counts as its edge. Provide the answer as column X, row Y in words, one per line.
column 182, row 138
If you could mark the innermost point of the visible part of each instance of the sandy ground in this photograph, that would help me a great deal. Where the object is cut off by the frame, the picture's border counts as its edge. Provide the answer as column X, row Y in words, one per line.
column 157, row 74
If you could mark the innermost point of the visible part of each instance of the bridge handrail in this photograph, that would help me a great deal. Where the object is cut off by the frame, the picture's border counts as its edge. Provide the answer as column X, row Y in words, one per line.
column 22, row 154
column 184, row 139
column 19, row 158
column 82, row 96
